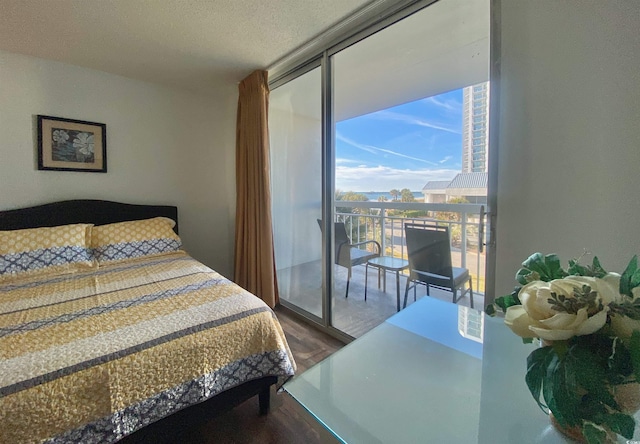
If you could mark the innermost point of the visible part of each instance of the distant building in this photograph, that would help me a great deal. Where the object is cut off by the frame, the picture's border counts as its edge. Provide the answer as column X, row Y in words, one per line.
column 475, row 128
column 471, row 186
column 435, row 191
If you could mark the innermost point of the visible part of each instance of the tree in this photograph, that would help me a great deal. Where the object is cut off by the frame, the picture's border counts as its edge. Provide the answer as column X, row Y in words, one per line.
column 457, row 200
column 382, row 198
column 406, row 195
column 394, row 193
column 351, row 196
column 353, row 224
column 450, row 216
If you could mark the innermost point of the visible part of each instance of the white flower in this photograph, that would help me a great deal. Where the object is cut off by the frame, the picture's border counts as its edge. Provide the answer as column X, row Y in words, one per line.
column 84, row 143
column 60, row 136
column 607, row 287
column 538, row 318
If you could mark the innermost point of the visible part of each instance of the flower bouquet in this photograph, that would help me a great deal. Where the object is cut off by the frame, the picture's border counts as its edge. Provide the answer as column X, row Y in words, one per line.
column 588, row 323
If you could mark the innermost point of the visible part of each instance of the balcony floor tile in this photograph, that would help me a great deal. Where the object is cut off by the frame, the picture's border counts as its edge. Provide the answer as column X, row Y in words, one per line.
column 301, row 285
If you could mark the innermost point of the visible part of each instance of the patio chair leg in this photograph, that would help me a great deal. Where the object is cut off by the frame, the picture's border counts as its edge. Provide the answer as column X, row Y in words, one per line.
column 346, row 294
column 406, row 292
column 366, row 279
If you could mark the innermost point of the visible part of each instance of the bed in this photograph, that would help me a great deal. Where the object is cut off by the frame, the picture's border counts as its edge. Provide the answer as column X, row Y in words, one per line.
column 115, row 332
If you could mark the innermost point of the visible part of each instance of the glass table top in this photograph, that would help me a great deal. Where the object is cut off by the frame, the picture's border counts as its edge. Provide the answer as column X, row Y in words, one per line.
column 389, row 262
column 433, row 373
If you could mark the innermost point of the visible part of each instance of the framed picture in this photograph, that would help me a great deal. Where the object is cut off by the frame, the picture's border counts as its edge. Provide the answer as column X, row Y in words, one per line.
column 71, row 145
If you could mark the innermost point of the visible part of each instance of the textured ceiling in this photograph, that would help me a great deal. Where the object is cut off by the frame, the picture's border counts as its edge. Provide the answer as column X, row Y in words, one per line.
column 192, row 44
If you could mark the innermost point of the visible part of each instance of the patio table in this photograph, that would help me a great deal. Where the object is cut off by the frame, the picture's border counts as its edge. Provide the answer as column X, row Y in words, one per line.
column 386, row 263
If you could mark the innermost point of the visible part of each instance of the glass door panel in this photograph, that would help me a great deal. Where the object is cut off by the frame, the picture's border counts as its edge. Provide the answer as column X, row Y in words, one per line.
column 295, row 117
column 411, row 113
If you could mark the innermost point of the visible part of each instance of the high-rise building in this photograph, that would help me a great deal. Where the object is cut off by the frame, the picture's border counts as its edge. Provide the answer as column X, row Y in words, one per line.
column 475, row 128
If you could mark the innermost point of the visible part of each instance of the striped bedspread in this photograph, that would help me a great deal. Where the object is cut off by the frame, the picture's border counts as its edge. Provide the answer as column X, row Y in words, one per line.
column 94, row 356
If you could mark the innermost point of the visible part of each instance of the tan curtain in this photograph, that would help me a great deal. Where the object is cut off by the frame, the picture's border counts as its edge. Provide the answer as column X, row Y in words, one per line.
column 254, row 259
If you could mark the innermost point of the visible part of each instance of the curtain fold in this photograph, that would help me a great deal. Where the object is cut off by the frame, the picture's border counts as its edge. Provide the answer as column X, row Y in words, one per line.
column 254, row 257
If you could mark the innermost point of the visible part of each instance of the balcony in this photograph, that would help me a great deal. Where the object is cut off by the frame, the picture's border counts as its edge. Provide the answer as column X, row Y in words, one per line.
column 384, row 222
column 463, row 221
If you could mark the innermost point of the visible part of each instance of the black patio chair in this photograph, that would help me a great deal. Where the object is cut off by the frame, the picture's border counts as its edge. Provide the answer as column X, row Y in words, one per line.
column 429, row 251
column 349, row 254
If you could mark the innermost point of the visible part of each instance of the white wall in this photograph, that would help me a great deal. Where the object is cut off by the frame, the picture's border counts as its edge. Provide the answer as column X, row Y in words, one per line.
column 569, row 132
column 164, row 146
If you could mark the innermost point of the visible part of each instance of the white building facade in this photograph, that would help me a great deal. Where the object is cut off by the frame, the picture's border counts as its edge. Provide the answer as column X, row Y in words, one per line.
column 475, row 128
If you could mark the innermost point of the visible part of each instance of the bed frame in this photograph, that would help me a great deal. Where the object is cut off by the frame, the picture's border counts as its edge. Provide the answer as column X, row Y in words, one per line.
column 100, row 212
column 97, row 212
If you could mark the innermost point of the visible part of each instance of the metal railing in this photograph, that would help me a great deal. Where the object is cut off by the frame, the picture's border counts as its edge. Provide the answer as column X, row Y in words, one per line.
column 379, row 221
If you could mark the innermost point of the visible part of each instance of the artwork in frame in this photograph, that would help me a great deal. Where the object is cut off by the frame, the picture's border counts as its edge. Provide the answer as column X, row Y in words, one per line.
column 71, row 145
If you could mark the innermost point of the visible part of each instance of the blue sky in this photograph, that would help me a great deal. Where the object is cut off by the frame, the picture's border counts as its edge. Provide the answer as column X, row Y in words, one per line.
column 401, row 147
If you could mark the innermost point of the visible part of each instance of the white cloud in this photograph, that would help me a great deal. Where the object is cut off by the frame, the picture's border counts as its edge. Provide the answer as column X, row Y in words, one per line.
column 414, row 138
column 412, row 120
column 342, row 160
column 377, row 150
column 447, row 158
column 382, row 178
column 449, row 105
column 363, row 147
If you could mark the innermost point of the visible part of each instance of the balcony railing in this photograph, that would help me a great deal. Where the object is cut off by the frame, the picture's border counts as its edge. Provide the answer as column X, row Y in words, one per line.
column 377, row 221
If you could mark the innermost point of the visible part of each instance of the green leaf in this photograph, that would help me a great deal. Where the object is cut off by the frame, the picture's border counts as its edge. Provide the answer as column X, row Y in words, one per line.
column 634, row 350
column 535, row 262
column 587, row 369
column 620, row 423
column 552, row 263
column 627, row 276
column 597, row 269
column 577, row 269
column 524, row 276
column 566, row 398
column 504, row 302
column 591, row 409
column 537, row 363
column 593, row 435
column 635, row 280
column 619, row 365
column 547, row 389
column 539, row 267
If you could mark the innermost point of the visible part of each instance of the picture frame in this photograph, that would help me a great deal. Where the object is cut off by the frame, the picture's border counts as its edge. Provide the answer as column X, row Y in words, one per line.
column 71, row 145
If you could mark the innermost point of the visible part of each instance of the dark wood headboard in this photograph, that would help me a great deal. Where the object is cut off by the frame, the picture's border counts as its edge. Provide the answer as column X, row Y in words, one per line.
column 97, row 212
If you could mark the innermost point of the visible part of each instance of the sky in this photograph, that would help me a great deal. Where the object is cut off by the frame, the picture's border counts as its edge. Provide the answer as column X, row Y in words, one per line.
column 401, row 147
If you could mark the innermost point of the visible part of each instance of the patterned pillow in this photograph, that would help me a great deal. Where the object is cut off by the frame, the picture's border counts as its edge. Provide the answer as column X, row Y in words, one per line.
column 47, row 249
column 126, row 240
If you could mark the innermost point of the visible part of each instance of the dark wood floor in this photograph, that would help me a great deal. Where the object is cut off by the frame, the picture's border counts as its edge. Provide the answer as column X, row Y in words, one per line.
column 285, row 423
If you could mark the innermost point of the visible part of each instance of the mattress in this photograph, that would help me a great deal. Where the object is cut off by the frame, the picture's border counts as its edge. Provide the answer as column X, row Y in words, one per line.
column 95, row 355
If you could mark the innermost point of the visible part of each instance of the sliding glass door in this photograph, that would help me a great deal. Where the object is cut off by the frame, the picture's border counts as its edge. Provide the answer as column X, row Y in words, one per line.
column 295, row 116
column 388, row 126
column 411, row 113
